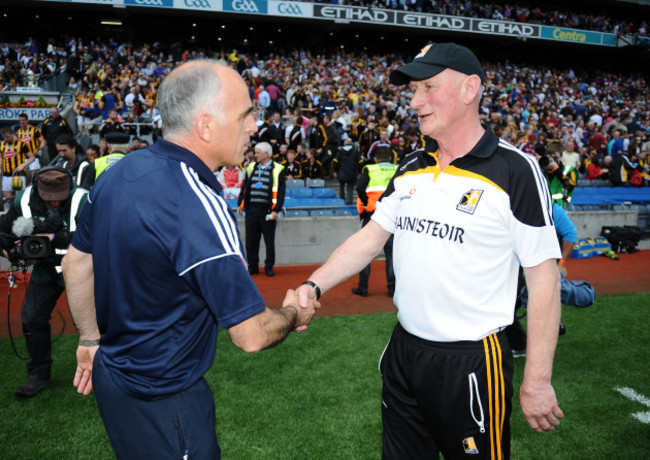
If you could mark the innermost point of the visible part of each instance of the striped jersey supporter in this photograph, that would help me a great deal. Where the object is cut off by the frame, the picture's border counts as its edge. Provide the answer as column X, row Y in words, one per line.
column 13, row 155
column 30, row 136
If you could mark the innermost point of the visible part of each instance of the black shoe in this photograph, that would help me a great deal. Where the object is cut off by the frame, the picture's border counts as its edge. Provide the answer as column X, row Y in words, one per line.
column 562, row 328
column 31, row 388
column 253, row 270
column 269, row 272
column 359, row 291
column 391, row 292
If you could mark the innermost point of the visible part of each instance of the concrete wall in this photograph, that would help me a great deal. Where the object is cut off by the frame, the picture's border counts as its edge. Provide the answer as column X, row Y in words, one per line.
column 307, row 240
column 312, row 240
column 590, row 223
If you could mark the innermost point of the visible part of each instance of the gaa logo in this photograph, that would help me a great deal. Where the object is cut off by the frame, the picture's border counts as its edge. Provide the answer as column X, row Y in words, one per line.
column 163, row 3
column 197, row 3
column 290, row 9
column 245, row 5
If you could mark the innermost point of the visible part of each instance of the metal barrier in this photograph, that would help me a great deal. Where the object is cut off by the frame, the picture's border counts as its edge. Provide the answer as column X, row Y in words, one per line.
column 57, row 82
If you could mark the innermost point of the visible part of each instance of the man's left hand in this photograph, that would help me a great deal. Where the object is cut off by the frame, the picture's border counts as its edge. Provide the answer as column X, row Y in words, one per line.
column 539, row 405
column 83, row 377
column 274, row 215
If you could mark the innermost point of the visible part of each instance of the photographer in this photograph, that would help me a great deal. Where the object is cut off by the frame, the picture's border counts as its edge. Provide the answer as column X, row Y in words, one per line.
column 48, row 210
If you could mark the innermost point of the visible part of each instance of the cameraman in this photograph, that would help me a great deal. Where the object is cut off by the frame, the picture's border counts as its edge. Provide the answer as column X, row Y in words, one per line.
column 49, row 208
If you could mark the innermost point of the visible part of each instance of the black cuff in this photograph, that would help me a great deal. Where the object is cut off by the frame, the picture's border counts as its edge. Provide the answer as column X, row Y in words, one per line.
column 315, row 286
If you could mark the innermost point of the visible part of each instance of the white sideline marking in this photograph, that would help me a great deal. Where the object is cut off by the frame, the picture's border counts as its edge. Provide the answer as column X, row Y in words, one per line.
column 643, row 417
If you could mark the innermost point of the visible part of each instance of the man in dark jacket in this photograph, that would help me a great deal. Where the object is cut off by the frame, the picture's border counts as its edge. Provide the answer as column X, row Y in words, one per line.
column 332, row 145
column 346, row 163
column 54, row 126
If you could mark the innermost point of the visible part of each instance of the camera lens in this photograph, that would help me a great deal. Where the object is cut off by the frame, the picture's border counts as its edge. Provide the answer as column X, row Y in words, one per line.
column 34, row 246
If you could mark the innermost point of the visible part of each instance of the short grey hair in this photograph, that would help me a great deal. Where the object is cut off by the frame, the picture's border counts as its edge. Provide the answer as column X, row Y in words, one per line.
column 119, row 147
column 184, row 92
column 264, row 147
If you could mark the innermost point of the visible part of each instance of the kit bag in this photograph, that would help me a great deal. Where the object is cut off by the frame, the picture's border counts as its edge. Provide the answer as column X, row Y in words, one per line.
column 623, row 239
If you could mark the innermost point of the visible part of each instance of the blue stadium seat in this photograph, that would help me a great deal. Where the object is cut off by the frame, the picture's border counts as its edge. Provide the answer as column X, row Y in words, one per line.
column 315, row 183
column 324, row 192
column 301, row 192
column 293, row 183
column 601, row 183
column 343, row 212
column 297, row 213
column 321, row 212
column 304, row 202
column 331, row 202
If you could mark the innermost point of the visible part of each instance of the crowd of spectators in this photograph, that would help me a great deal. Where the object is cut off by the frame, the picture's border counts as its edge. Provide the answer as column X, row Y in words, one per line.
column 310, row 103
column 577, row 118
column 509, row 12
column 30, row 63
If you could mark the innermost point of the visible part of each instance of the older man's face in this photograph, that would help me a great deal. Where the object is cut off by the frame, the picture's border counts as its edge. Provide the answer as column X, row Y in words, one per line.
column 261, row 156
column 237, row 124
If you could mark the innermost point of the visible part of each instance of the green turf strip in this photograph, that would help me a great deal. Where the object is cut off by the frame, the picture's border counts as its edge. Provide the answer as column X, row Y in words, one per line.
column 318, row 394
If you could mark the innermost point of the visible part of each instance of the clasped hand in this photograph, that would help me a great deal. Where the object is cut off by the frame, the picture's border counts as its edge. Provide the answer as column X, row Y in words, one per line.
column 304, row 315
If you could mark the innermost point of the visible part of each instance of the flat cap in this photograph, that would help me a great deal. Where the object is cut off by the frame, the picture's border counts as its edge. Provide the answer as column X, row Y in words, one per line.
column 117, row 137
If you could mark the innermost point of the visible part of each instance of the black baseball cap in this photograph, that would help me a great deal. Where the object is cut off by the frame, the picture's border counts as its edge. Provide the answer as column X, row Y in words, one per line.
column 433, row 59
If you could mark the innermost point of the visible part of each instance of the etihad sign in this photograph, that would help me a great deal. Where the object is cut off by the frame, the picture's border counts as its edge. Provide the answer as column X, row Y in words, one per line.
column 355, row 14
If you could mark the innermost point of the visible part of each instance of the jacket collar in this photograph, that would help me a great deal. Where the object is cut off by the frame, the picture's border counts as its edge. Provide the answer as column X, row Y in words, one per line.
column 182, row 155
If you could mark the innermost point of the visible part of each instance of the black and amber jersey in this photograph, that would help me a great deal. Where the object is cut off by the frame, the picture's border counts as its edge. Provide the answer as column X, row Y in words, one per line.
column 292, row 169
column 460, row 235
column 318, row 137
column 31, row 136
column 358, row 127
column 119, row 102
column 367, row 138
column 312, row 170
column 423, row 143
column 13, row 155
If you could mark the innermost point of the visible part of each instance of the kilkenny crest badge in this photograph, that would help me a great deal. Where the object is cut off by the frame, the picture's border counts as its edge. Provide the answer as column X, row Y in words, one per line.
column 470, row 445
column 469, row 201
column 423, row 51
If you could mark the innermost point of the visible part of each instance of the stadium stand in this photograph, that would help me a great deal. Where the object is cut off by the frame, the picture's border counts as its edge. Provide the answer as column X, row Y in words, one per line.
column 523, row 97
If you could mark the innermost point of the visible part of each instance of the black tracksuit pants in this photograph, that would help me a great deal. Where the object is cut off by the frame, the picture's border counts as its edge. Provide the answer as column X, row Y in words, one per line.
column 257, row 226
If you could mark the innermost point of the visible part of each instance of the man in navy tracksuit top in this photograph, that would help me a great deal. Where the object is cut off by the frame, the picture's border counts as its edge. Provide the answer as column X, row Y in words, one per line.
column 161, row 248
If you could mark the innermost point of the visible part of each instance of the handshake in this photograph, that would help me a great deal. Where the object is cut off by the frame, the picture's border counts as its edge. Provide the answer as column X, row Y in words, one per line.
column 303, row 301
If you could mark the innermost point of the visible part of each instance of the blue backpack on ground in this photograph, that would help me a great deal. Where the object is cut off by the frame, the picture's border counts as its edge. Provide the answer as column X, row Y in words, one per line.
column 579, row 294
